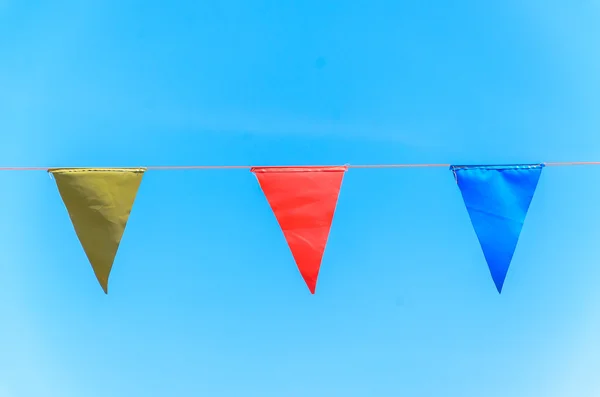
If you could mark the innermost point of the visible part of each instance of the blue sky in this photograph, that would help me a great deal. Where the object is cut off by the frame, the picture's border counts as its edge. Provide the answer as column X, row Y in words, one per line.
column 204, row 297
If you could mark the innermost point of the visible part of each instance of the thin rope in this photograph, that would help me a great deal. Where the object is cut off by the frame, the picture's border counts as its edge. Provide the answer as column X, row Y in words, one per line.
column 569, row 163
column 230, row 167
column 237, row 167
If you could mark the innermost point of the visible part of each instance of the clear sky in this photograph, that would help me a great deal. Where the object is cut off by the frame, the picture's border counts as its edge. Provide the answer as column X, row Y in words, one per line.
column 205, row 299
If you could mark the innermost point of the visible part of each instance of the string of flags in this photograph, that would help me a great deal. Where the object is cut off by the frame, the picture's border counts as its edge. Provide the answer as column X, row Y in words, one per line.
column 303, row 200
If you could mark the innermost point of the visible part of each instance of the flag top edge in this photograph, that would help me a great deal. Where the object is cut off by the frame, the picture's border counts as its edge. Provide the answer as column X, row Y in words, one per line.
column 84, row 170
column 497, row 166
column 298, row 169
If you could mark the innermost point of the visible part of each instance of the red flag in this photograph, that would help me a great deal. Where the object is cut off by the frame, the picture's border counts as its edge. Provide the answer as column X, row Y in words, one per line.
column 303, row 200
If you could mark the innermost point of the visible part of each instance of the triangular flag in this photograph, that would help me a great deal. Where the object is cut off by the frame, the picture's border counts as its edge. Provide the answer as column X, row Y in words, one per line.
column 303, row 200
column 497, row 199
column 99, row 202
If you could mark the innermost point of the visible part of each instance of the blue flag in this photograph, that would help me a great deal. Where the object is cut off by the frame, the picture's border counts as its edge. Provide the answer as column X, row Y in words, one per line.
column 497, row 199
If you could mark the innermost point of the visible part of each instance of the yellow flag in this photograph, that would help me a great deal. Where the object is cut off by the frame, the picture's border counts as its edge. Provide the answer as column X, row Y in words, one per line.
column 99, row 202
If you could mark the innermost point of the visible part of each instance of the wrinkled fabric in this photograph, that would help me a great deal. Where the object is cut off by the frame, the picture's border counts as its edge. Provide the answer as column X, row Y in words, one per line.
column 497, row 200
column 99, row 202
column 303, row 200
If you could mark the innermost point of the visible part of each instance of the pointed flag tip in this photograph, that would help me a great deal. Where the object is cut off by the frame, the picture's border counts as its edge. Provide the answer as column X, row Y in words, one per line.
column 103, row 284
column 310, row 281
column 311, row 287
column 499, row 288
column 499, row 280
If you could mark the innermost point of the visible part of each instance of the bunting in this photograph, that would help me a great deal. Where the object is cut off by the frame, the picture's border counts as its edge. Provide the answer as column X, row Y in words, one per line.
column 303, row 200
column 497, row 200
column 99, row 202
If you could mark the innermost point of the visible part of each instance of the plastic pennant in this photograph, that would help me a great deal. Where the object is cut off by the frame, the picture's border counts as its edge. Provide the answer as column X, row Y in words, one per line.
column 497, row 198
column 99, row 202
column 303, row 200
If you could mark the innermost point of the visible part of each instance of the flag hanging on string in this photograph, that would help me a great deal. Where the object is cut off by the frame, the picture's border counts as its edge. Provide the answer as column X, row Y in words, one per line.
column 497, row 200
column 303, row 200
column 99, row 202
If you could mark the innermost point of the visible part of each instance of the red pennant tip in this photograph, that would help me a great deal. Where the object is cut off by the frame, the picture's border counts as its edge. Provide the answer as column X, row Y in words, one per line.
column 303, row 200
column 311, row 283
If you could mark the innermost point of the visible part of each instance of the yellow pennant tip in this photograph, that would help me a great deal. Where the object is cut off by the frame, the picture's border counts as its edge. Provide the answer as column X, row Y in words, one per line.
column 99, row 201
